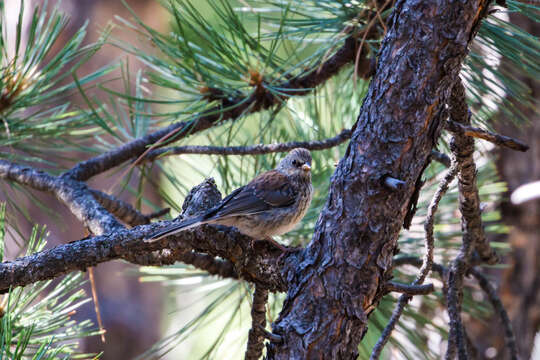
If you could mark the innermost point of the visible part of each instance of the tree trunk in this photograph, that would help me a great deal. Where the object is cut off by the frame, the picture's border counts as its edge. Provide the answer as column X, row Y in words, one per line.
column 338, row 280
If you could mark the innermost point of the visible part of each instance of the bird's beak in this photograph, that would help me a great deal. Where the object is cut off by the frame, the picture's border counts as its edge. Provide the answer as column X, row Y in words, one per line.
column 306, row 167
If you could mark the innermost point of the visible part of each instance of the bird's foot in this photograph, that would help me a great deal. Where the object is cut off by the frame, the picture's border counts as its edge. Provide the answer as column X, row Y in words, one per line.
column 283, row 248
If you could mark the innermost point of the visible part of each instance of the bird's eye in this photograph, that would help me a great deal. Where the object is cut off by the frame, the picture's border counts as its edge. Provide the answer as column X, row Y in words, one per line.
column 296, row 163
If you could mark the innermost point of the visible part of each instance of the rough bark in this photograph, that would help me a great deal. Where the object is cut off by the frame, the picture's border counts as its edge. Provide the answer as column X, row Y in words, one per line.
column 340, row 277
column 520, row 281
column 257, row 262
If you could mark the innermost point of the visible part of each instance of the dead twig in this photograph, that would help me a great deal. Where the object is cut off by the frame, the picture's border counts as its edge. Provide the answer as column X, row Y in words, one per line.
column 497, row 139
column 499, row 309
column 426, row 263
column 409, row 289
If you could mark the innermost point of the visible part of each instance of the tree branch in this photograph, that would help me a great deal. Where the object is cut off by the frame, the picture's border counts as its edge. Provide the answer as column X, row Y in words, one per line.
column 75, row 195
column 474, row 238
column 497, row 139
column 252, row 261
column 125, row 211
column 250, row 150
column 260, row 265
column 258, row 320
column 227, row 109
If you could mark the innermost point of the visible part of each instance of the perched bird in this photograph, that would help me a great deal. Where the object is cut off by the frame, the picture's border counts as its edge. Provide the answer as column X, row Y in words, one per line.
column 271, row 204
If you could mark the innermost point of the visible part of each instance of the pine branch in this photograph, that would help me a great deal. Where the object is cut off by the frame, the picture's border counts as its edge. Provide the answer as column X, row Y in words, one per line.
column 75, row 195
column 251, row 264
column 463, row 149
column 255, row 262
column 228, row 109
column 250, row 150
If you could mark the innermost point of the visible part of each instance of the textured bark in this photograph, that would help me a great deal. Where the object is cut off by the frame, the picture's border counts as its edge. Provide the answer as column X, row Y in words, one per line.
column 257, row 262
column 520, row 281
column 255, row 343
column 340, row 277
column 75, row 195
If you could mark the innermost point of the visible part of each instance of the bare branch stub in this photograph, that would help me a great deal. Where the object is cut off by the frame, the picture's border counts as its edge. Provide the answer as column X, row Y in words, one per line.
column 497, row 139
column 409, row 289
column 441, row 157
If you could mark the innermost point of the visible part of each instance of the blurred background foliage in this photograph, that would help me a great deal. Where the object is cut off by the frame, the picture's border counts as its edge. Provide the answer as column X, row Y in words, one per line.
column 64, row 99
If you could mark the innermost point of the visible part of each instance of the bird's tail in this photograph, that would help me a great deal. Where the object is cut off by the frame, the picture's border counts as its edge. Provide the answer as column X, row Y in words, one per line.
column 181, row 226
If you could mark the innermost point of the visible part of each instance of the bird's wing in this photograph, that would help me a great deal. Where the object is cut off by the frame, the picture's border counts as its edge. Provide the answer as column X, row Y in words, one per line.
column 271, row 189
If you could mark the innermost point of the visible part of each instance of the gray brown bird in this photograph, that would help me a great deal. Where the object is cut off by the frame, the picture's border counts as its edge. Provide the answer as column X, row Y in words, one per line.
column 271, row 204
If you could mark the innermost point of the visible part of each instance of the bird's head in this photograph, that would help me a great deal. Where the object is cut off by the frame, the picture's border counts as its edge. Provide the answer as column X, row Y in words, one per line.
column 296, row 163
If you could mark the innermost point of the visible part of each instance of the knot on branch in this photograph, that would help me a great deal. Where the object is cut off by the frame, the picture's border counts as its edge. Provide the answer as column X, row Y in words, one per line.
column 201, row 198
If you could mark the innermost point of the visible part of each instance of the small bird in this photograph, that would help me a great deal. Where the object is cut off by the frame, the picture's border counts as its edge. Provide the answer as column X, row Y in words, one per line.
column 271, row 204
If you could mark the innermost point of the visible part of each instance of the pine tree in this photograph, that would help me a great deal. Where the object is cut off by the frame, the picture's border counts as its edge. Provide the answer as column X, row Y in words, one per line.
column 226, row 92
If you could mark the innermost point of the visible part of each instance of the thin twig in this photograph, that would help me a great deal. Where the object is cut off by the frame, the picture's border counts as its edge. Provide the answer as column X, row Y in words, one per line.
column 258, row 320
column 497, row 139
column 417, row 262
column 250, row 150
column 499, row 309
column 96, row 302
column 486, row 286
column 409, row 289
column 441, row 157
column 426, row 264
